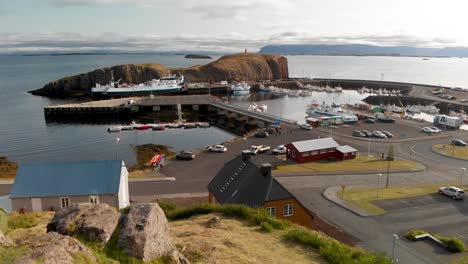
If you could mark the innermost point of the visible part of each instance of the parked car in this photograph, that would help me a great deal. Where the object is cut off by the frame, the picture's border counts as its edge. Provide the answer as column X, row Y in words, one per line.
column 357, row 133
column 253, row 150
column 305, row 126
column 217, row 148
column 452, row 192
column 459, row 143
column 281, row 149
column 276, row 127
column 378, row 134
column 387, row 134
column 185, row 155
column 464, row 101
column 263, row 148
column 271, row 130
column 428, row 130
column 435, row 129
column 370, row 120
column 367, row 133
column 262, row 134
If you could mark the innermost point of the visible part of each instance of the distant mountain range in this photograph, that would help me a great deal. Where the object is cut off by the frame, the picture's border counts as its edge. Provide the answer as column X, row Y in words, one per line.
column 364, row 50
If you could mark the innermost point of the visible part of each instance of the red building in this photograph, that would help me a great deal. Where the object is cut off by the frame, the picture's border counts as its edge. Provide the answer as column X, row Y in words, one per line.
column 318, row 149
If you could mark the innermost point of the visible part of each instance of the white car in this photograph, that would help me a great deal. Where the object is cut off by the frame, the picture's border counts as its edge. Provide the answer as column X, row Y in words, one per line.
column 305, row 126
column 217, row 148
column 263, row 148
column 428, row 130
column 379, row 134
column 452, row 192
column 436, row 129
column 253, row 150
column 281, row 149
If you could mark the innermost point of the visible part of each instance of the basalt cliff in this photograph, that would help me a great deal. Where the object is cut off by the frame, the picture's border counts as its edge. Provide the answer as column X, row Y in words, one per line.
column 236, row 67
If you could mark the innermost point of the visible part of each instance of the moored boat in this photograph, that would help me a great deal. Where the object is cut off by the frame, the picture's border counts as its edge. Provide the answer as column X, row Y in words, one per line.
column 241, row 88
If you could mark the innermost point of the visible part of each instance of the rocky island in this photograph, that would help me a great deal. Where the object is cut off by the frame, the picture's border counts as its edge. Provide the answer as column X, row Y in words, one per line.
column 197, row 56
column 235, row 67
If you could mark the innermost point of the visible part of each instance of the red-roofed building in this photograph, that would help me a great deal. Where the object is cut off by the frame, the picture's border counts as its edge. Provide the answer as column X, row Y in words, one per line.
column 318, row 149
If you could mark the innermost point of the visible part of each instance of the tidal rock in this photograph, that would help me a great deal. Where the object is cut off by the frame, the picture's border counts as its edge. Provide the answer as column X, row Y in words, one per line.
column 53, row 248
column 145, row 234
column 93, row 221
column 5, row 241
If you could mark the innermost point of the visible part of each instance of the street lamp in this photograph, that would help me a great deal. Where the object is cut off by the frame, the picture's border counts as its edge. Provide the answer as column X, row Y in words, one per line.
column 395, row 237
column 462, row 175
column 378, row 183
column 116, row 148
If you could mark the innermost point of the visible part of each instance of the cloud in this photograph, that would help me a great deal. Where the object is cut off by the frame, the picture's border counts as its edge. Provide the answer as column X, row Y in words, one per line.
column 229, row 42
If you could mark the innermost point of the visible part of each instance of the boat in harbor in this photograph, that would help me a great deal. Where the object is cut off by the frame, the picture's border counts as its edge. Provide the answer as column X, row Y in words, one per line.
column 263, row 89
column 334, row 110
column 166, row 85
column 241, row 88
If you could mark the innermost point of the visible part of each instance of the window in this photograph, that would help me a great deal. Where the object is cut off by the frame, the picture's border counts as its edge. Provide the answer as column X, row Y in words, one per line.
column 64, row 202
column 288, row 210
column 293, row 153
column 305, row 154
column 323, row 151
column 314, row 152
column 94, row 199
column 331, row 150
column 271, row 210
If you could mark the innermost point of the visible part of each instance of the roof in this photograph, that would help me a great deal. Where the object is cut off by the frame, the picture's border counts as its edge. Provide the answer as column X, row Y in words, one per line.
column 312, row 119
column 241, row 182
column 315, row 144
column 346, row 149
column 67, row 179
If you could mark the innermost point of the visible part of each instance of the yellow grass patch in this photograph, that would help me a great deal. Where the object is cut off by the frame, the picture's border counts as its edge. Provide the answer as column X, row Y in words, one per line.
column 235, row 241
column 28, row 226
column 360, row 163
column 363, row 197
column 451, row 150
column 7, row 168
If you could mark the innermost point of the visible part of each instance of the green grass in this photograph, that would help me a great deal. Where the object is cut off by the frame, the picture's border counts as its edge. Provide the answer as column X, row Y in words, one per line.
column 330, row 249
column 451, row 150
column 363, row 197
column 27, row 220
column 10, row 255
column 453, row 244
column 360, row 163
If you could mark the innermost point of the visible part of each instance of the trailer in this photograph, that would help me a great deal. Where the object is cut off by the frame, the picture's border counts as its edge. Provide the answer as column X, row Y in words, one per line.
column 448, row 121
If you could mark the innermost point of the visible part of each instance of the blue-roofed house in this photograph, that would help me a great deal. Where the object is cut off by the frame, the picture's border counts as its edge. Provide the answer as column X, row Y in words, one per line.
column 241, row 181
column 52, row 186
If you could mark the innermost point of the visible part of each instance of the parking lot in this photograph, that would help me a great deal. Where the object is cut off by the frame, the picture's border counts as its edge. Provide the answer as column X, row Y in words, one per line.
column 401, row 129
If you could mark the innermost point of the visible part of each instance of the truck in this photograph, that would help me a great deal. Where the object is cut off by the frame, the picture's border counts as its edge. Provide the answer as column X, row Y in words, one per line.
column 448, row 121
column 383, row 118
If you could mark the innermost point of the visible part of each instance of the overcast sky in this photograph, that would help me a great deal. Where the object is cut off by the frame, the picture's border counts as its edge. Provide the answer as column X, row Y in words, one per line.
column 227, row 25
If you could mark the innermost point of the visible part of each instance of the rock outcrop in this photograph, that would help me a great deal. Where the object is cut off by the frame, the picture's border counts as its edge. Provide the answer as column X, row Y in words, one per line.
column 5, row 241
column 236, row 67
column 53, row 248
column 93, row 221
column 145, row 234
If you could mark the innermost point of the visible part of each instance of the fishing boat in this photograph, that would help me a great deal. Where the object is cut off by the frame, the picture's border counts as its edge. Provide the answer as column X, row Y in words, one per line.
column 114, row 129
column 332, row 111
column 142, row 127
column 241, row 88
column 169, row 84
column 263, row 89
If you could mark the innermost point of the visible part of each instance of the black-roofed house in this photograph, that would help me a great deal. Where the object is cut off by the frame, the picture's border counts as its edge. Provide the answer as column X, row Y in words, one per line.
column 52, row 186
column 241, row 181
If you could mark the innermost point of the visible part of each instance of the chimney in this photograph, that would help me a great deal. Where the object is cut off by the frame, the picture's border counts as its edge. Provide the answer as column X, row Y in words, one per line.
column 246, row 155
column 265, row 169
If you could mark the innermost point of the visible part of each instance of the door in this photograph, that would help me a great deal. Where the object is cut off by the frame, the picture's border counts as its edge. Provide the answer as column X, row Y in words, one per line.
column 36, row 204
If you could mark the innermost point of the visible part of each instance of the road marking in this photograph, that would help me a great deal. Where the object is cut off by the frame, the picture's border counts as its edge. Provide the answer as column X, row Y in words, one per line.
column 412, row 150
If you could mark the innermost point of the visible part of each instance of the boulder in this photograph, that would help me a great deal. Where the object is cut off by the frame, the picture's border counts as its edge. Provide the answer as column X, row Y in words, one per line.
column 145, row 234
column 213, row 222
column 53, row 248
column 5, row 241
column 93, row 221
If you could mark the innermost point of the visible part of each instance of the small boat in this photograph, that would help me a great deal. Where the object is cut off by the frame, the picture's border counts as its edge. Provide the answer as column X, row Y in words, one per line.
column 338, row 89
column 204, row 124
column 262, row 89
column 159, row 128
column 306, row 93
column 263, row 107
column 142, row 127
column 114, row 129
column 174, row 125
column 241, row 88
column 189, row 125
column 127, row 127
column 329, row 89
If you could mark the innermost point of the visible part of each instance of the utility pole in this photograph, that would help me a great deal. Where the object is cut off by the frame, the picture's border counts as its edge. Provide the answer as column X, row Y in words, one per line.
column 389, row 158
column 395, row 237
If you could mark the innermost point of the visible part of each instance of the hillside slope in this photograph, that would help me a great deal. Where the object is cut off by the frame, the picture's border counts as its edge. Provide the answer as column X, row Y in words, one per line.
column 236, row 67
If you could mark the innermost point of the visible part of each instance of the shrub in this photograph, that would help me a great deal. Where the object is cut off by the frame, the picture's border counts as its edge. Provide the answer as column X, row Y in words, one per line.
column 266, row 226
column 179, row 214
column 453, row 244
column 167, row 206
column 411, row 235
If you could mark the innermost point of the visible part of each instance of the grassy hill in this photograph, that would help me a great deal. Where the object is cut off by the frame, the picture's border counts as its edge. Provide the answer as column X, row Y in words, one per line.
column 243, row 235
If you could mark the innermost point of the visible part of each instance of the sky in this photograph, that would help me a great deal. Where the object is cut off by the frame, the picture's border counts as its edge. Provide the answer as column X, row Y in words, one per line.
column 226, row 25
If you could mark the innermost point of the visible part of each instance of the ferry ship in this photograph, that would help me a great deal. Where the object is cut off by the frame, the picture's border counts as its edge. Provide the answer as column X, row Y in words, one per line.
column 170, row 84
